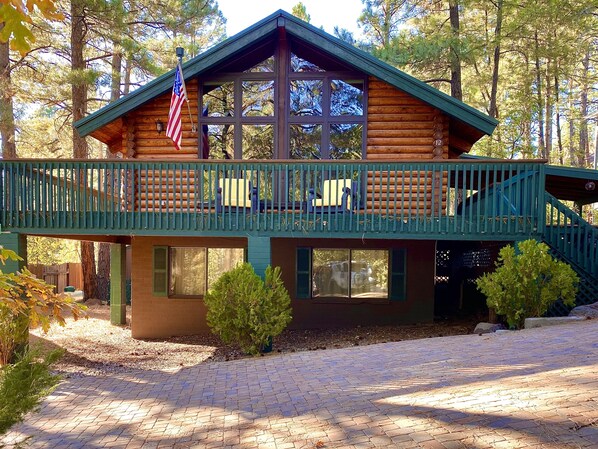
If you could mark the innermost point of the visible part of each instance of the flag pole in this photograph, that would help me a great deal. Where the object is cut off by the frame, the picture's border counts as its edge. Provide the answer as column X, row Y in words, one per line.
column 180, row 51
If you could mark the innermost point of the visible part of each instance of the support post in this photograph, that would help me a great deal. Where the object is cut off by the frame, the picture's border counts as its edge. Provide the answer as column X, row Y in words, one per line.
column 18, row 244
column 118, row 298
column 259, row 254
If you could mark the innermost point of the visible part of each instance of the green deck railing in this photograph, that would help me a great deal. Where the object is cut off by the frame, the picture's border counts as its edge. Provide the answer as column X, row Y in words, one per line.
column 337, row 198
column 571, row 236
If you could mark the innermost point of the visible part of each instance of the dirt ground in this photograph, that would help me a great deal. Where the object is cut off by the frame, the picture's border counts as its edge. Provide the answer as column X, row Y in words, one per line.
column 94, row 346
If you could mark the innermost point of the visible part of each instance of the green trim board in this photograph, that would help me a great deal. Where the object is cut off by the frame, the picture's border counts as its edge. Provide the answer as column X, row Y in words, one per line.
column 303, row 271
column 315, row 37
column 160, row 271
column 398, row 274
column 118, row 295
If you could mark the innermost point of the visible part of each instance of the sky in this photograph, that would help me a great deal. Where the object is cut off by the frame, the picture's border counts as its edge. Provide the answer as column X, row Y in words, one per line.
column 241, row 14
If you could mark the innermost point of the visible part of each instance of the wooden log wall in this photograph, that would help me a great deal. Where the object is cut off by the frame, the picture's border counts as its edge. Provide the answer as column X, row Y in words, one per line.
column 148, row 144
column 402, row 128
column 163, row 190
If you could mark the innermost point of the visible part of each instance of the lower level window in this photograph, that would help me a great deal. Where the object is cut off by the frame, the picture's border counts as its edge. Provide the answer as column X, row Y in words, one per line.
column 193, row 270
column 350, row 273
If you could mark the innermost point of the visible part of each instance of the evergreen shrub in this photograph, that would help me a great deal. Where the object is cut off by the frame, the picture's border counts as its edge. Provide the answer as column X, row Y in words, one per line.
column 526, row 283
column 246, row 310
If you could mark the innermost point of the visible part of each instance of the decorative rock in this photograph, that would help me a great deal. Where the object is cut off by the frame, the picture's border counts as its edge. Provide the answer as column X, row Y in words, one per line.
column 531, row 323
column 588, row 311
column 487, row 328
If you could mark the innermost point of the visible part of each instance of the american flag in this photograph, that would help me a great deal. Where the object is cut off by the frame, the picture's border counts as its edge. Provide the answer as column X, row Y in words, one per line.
column 174, row 128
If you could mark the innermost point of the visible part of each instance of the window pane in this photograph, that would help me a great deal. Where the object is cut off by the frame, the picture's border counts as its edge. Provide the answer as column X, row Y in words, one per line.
column 345, row 141
column 305, row 141
column 258, row 98
column 306, row 97
column 187, row 271
column 221, row 260
column 301, row 65
column 330, row 272
column 369, row 273
column 218, row 99
column 258, row 141
column 346, row 98
column 221, row 141
column 264, row 66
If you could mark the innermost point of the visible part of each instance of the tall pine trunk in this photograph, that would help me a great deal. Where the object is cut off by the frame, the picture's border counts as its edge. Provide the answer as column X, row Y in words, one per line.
column 539, row 98
column 7, row 117
column 455, row 51
column 584, row 141
column 80, row 150
column 104, row 248
column 493, row 110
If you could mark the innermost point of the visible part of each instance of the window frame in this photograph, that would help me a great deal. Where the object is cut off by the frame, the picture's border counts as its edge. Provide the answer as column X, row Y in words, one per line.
column 394, row 292
column 282, row 77
column 168, row 293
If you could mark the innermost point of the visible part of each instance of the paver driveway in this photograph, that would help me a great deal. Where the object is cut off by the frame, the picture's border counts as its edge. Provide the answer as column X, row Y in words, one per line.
column 533, row 388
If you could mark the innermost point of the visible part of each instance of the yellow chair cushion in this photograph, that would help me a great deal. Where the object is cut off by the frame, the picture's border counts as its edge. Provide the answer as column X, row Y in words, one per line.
column 332, row 193
column 235, row 192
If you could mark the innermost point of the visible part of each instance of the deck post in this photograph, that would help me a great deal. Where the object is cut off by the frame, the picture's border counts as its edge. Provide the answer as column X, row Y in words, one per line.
column 118, row 298
column 18, row 244
column 259, row 254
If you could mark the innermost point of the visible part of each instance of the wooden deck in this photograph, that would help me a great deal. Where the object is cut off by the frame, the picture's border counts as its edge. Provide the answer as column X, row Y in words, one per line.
column 430, row 199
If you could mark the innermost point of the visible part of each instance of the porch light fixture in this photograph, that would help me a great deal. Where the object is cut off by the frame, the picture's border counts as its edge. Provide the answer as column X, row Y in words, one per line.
column 590, row 186
column 159, row 126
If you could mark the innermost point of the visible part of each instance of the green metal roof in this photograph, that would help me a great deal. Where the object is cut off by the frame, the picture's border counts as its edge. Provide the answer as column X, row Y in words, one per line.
column 301, row 30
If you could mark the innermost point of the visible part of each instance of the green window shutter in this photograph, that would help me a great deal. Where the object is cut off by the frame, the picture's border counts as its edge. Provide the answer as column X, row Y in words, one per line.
column 160, row 271
column 398, row 274
column 303, row 271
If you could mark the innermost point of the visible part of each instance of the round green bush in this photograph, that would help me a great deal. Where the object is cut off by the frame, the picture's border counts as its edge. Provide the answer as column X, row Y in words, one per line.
column 249, row 311
column 526, row 283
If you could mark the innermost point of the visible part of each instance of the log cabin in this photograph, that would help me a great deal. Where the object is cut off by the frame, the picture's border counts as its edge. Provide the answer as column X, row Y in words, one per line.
column 303, row 152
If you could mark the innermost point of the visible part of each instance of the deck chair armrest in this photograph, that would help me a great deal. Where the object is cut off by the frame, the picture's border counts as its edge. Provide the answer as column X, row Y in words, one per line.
column 255, row 200
column 310, row 199
column 219, row 199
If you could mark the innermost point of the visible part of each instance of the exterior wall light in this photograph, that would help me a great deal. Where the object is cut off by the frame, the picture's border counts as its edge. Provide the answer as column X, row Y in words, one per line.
column 159, row 126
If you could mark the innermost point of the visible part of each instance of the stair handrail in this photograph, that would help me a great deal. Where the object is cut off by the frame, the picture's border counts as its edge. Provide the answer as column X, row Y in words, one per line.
column 574, row 239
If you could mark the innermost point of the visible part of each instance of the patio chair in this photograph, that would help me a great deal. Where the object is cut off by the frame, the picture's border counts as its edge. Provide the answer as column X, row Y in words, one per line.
column 236, row 194
column 336, row 197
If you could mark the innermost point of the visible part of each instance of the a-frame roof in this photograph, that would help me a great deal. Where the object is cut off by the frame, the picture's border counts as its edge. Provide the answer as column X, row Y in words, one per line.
column 315, row 37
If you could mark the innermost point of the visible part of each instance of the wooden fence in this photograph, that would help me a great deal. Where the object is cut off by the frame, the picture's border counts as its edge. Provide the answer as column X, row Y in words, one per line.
column 59, row 275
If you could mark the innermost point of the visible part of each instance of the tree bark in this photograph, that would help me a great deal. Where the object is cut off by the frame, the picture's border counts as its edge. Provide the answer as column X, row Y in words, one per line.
column 104, row 248
column 88, row 266
column 78, row 87
column 584, row 141
column 573, row 159
column 540, row 99
column 80, row 149
column 558, row 118
column 455, row 51
column 548, row 115
column 7, row 117
column 493, row 110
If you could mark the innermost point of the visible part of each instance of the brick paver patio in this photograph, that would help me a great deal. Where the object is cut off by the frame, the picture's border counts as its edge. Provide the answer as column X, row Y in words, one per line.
column 534, row 388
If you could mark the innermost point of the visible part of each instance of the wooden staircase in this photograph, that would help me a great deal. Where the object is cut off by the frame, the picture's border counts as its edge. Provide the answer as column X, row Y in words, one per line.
column 574, row 241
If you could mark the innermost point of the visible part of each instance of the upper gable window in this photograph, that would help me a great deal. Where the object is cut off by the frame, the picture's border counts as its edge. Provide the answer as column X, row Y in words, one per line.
column 301, row 65
column 346, row 97
column 258, row 98
column 306, row 97
column 318, row 112
column 219, row 99
column 263, row 67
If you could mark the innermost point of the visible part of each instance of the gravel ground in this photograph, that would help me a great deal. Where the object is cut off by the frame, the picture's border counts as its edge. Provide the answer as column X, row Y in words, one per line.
column 94, row 346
